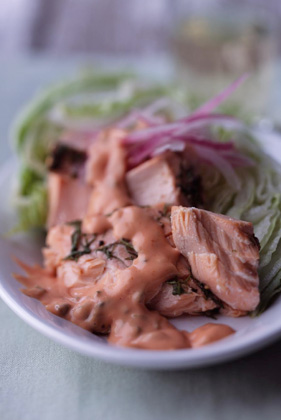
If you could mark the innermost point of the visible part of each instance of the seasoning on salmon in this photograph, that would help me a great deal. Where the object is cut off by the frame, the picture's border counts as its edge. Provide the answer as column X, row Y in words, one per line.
column 176, row 298
column 223, row 254
column 67, row 160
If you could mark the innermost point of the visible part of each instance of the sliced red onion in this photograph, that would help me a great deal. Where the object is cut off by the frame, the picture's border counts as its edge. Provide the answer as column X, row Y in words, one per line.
column 143, row 151
column 146, row 134
column 136, row 116
column 201, row 121
column 156, row 139
column 207, row 117
column 159, row 144
column 213, row 103
column 177, row 128
column 127, row 120
column 193, row 139
column 202, row 114
column 176, row 146
column 146, row 114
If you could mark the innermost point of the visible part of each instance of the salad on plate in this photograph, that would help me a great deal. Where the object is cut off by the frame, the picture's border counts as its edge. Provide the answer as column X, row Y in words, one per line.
column 151, row 211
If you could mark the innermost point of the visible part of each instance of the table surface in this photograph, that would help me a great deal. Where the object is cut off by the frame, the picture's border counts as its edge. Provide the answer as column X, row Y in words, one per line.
column 40, row 379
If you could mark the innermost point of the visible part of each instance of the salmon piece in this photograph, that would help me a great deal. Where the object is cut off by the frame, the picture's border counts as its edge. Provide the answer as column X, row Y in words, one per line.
column 181, row 295
column 87, row 269
column 234, row 313
column 192, row 301
column 67, row 197
column 107, row 253
column 163, row 179
column 58, row 245
column 154, row 181
column 68, row 194
column 223, row 254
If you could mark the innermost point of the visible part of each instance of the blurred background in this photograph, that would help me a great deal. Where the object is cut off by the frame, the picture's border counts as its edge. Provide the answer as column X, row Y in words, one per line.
column 209, row 42
column 107, row 26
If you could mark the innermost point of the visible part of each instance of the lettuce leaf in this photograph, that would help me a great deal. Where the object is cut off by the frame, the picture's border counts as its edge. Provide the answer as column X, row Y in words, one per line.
column 37, row 111
column 31, row 201
column 258, row 202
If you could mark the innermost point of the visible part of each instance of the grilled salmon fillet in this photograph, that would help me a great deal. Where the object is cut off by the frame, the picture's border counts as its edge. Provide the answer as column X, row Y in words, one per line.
column 223, row 254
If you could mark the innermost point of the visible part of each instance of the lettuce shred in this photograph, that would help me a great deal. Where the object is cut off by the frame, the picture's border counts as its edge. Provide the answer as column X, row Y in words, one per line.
column 31, row 201
column 258, row 202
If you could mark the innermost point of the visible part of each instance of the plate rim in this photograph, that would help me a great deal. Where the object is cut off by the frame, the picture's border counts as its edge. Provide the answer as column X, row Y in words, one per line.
column 148, row 359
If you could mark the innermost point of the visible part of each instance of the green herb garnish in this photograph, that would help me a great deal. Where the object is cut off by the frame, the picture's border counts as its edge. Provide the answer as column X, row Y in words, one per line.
column 178, row 285
column 208, row 294
column 164, row 213
column 81, row 245
column 80, row 242
column 111, row 213
column 129, row 247
column 108, row 250
column 166, row 210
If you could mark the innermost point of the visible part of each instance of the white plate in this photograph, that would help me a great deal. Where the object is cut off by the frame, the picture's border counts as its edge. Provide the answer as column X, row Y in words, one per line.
column 251, row 334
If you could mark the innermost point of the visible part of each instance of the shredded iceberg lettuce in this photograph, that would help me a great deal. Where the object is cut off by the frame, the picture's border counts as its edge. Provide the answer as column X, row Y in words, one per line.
column 31, row 201
column 259, row 202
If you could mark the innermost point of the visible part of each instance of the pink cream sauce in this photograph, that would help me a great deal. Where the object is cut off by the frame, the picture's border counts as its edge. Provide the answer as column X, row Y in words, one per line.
column 113, row 301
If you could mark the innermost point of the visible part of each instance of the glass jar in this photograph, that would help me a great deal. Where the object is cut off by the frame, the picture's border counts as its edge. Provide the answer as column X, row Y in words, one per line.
column 214, row 42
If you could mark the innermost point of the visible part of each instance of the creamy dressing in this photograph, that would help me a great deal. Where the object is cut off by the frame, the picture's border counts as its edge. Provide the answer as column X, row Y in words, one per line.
column 109, row 295
column 209, row 333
